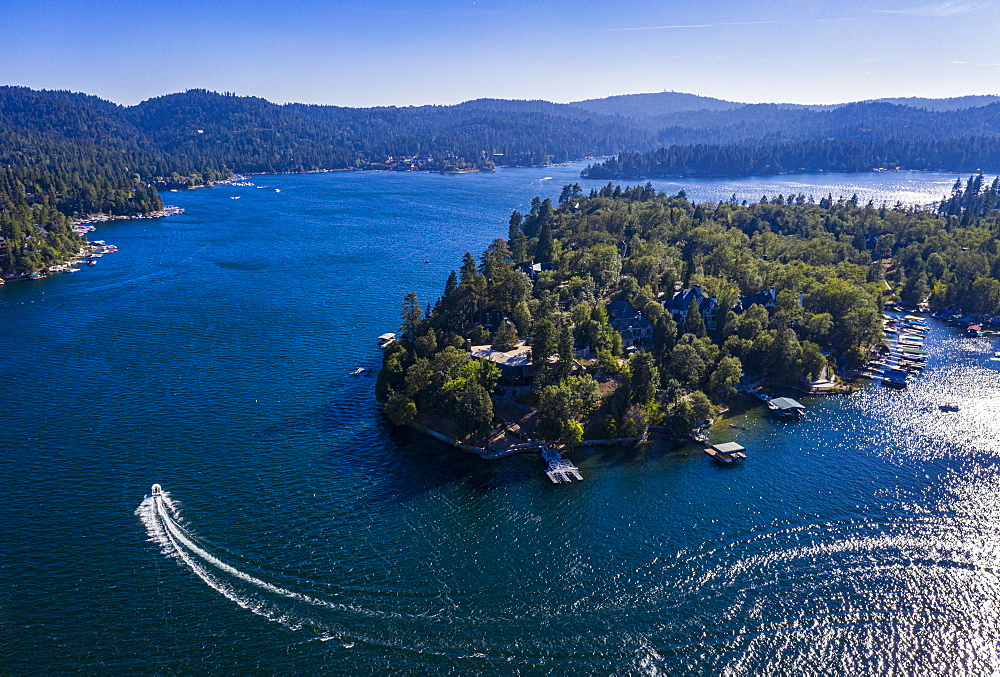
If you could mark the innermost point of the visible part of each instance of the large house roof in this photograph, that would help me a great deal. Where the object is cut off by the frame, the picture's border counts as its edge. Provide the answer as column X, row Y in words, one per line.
column 681, row 300
column 762, row 298
column 624, row 316
column 518, row 357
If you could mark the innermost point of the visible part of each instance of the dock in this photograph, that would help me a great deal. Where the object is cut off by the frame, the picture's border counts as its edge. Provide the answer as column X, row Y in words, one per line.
column 560, row 470
column 727, row 452
column 786, row 407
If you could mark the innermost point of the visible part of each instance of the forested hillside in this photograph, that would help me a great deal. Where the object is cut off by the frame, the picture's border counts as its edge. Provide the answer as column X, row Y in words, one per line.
column 72, row 154
column 772, row 139
column 67, row 154
column 968, row 154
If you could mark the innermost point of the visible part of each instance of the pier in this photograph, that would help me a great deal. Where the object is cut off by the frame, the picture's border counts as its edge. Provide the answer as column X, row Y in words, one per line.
column 560, row 470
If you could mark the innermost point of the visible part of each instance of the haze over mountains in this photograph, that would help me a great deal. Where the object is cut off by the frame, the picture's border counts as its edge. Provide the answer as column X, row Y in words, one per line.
column 199, row 131
column 664, row 103
column 64, row 154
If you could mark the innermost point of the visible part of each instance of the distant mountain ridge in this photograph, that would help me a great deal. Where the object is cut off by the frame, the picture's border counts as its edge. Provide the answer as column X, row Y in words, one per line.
column 650, row 105
column 953, row 103
column 666, row 103
column 199, row 132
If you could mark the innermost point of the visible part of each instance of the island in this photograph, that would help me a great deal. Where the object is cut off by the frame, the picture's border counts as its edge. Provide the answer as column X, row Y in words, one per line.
column 624, row 310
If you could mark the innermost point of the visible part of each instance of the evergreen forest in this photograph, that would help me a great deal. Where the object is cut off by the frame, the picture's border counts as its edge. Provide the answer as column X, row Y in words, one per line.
column 832, row 263
column 65, row 155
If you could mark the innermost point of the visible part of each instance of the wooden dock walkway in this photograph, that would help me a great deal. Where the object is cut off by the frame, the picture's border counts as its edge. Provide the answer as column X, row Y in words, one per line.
column 563, row 471
column 560, row 470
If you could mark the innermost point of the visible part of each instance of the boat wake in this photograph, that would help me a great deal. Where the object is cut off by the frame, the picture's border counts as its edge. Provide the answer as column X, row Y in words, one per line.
column 276, row 603
column 324, row 611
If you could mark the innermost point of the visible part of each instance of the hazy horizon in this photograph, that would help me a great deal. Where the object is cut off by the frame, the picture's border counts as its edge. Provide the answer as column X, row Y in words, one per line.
column 453, row 103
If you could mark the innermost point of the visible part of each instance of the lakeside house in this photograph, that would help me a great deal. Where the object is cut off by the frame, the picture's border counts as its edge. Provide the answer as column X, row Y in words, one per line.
column 534, row 269
column 515, row 365
column 766, row 299
column 636, row 331
column 678, row 304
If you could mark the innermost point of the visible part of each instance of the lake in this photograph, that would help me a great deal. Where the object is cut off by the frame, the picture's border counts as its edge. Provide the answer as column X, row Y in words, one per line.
column 212, row 354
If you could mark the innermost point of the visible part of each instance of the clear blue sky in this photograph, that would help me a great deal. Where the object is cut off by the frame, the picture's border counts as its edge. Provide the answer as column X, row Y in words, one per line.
column 404, row 52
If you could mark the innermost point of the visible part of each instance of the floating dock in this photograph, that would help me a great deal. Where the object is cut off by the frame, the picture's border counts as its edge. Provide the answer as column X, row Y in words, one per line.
column 563, row 471
column 560, row 470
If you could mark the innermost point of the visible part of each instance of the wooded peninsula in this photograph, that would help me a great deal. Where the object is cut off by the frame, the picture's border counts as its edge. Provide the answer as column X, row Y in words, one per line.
column 625, row 308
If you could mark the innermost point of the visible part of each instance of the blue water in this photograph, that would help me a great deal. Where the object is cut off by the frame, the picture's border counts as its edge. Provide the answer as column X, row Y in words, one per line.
column 301, row 533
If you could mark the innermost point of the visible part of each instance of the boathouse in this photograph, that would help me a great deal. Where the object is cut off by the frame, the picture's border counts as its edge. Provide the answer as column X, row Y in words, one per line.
column 786, row 407
column 726, row 452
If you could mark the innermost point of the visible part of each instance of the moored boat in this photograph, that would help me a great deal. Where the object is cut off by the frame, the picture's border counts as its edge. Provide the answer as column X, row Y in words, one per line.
column 894, row 378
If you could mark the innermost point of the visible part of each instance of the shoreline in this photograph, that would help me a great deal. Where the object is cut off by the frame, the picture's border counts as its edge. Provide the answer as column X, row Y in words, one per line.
column 532, row 447
column 246, row 175
column 831, row 172
column 88, row 249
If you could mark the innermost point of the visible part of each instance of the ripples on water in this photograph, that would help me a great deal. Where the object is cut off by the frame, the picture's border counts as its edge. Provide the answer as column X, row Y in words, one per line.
column 299, row 532
column 753, row 575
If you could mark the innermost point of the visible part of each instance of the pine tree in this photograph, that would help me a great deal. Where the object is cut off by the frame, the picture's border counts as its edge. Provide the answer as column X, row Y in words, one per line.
column 693, row 324
column 545, row 248
column 505, row 338
column 411, row 315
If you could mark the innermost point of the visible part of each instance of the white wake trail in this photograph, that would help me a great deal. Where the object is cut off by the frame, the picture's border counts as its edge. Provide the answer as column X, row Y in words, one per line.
column 156, row 521
column 179, row 535
column 160, row 517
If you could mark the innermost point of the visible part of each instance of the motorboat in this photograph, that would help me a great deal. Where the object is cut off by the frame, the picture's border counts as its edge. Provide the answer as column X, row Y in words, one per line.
column 156, row 490
column 948, row 406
